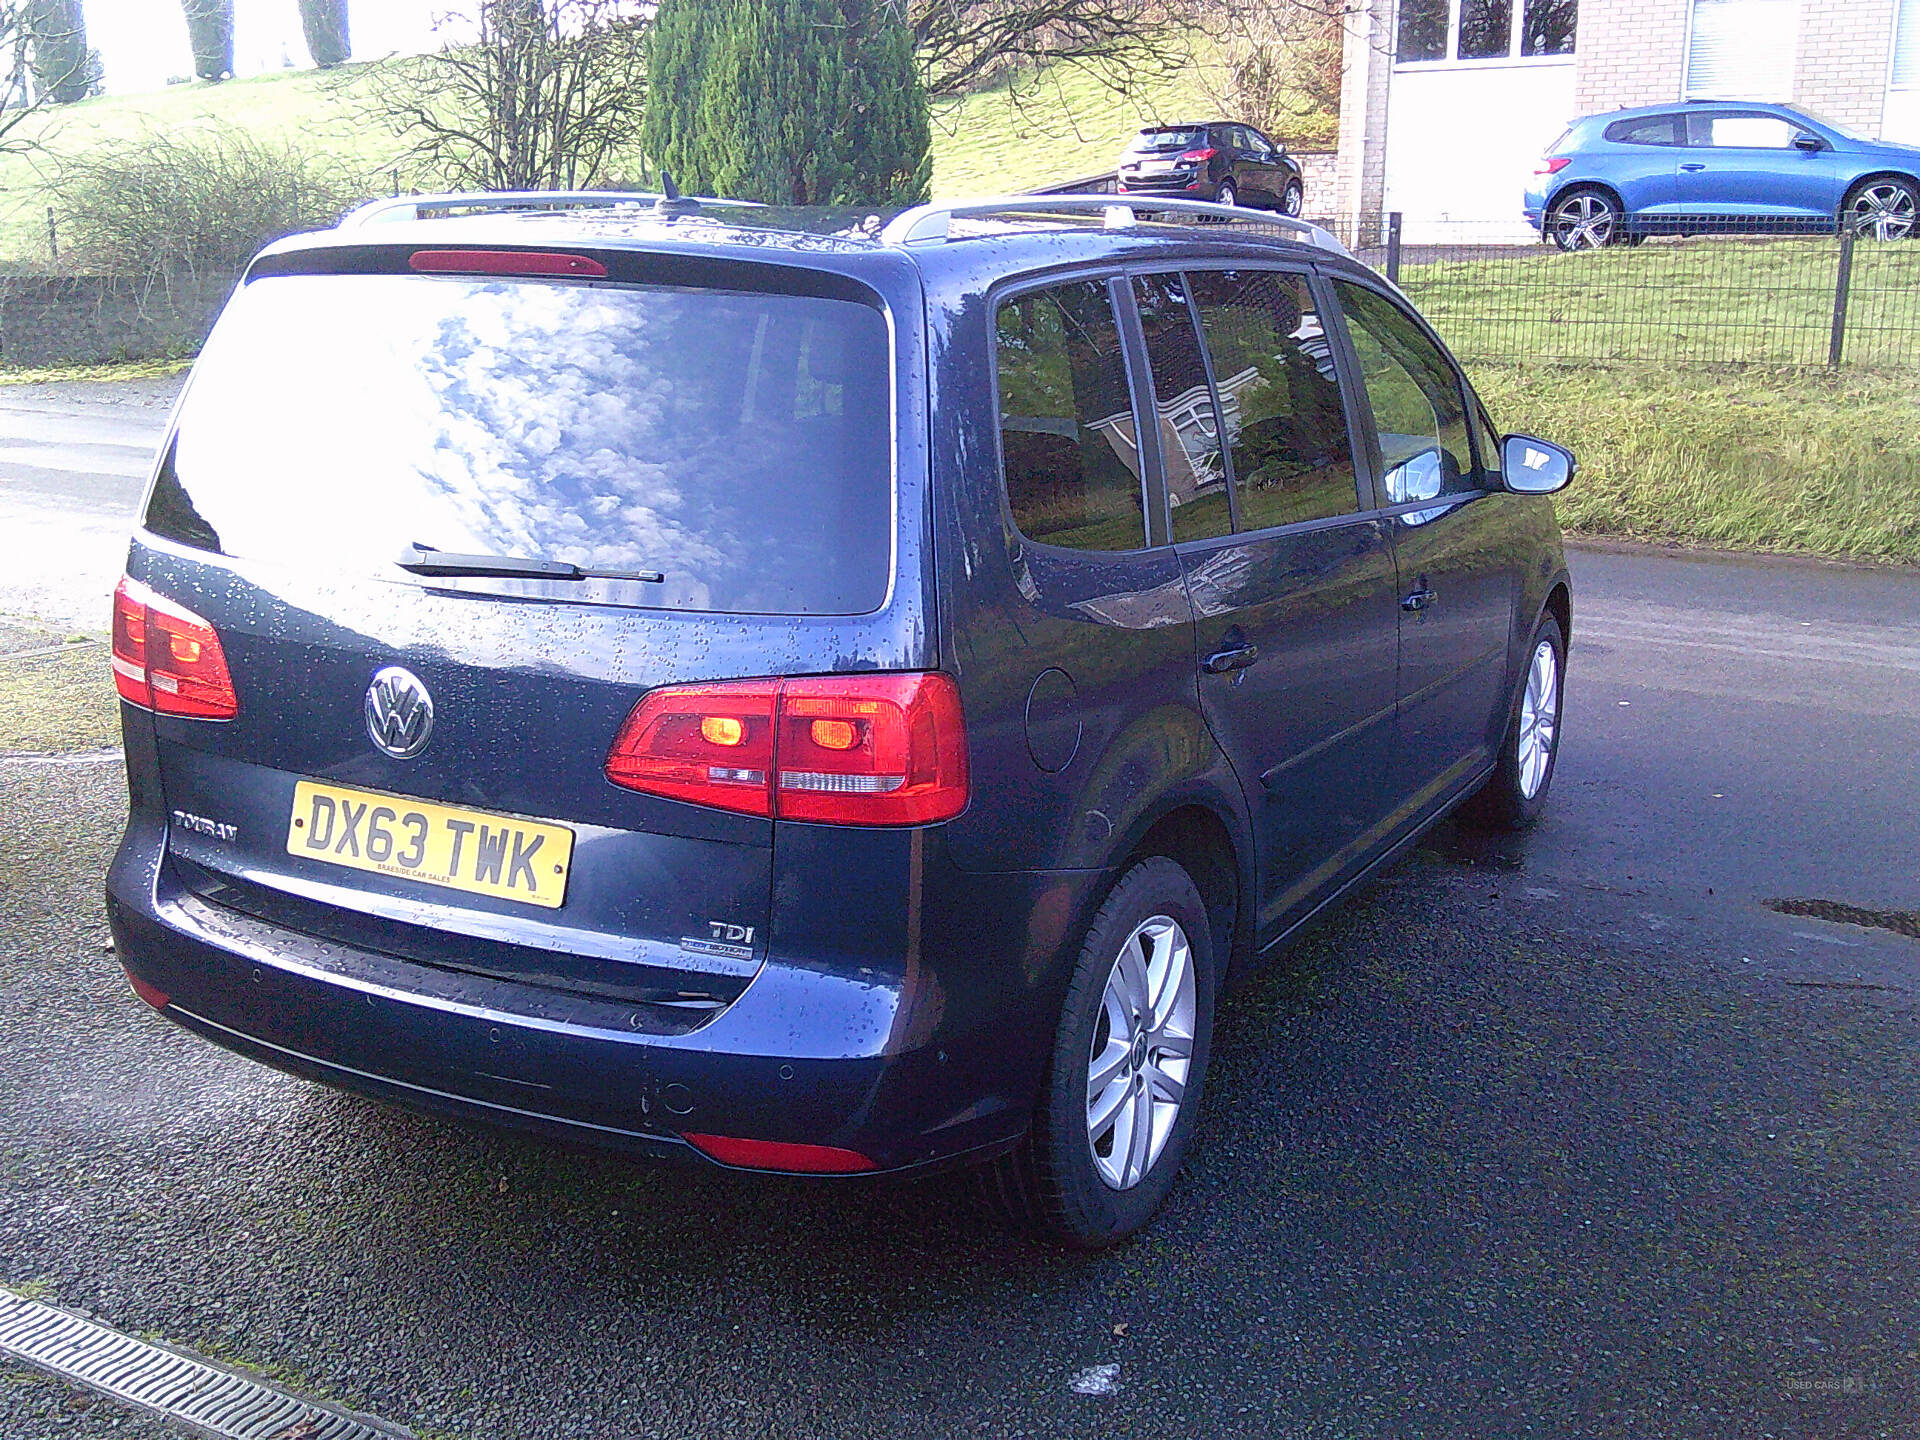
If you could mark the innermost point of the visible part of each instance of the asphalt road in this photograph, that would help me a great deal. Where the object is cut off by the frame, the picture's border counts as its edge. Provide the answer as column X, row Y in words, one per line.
column 74, row 460
column 1565, row 1136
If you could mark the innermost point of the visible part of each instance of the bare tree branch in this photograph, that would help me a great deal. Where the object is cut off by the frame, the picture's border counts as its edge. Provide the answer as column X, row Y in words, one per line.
column 542, row 99
column 43, row 65
column 961, row 43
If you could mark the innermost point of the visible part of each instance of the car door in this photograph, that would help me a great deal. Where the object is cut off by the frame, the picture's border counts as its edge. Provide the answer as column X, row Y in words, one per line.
column 1249, row 172
column 1452, row 532
column 1638, row 161
column 1747, row 162
column 1292, row 586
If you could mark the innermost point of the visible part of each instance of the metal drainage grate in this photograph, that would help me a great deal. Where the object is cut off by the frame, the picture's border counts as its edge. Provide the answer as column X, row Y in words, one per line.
column 208, row 1398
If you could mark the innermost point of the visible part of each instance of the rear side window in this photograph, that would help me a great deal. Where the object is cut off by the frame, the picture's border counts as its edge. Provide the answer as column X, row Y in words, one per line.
column 1068, row 451
column 1273, row 364
column 1417, row 399
column 1648, row 130
column 738, row 443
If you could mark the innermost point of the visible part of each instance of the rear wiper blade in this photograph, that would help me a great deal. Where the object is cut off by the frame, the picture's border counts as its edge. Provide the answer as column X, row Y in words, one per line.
column 425, row 560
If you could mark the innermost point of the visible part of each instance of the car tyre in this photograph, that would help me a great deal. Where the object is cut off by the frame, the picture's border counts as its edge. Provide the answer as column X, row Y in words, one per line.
column 1516, row 793
column 1226, row 194
column 1584, row 219
column 1884, row 207
column 1116, row 1114
column 1294, row 200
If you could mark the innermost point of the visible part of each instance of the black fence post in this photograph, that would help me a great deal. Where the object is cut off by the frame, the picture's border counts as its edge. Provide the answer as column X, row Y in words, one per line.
column 1842, row 286
column 1393, row 247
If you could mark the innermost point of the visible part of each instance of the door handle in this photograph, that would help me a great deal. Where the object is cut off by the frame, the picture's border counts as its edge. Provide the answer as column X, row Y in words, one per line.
column 1695, row 166
column 1237, row 658
column 1419, row 600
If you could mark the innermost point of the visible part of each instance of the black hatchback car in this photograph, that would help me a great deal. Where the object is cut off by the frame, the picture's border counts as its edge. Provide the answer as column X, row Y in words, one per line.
column 824, row 704
column 1230, row 164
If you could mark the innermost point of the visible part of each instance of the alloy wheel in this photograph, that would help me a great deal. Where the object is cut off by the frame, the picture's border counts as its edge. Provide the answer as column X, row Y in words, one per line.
column 1584, row 222
column 1539, row 719
column 1142, row 1052
column 1293, row 202
column 1884, row 210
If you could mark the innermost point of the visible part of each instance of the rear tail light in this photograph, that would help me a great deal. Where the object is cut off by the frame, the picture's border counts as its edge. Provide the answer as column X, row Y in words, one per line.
column 158, row 999
column 780, row 1155
column 166, row 658
column 1195, row 156
column 834, row 749
column 1553, row 165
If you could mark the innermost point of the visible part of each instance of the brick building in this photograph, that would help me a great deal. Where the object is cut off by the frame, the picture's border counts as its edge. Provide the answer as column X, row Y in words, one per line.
column 1447, row 103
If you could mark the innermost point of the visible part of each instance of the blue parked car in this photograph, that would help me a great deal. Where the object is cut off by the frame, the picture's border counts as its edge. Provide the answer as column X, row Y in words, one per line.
column 1718, row 166
column 810, row 703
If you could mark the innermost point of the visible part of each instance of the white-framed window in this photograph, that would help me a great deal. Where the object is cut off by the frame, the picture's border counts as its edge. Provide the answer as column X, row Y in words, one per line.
column 1741, row 49
column 1443, row 30
column 1906, row 47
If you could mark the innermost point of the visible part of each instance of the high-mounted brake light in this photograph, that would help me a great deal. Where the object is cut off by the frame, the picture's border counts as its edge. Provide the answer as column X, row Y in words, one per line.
column 166, row 658
column 780, row 1155
column 1207, row 154
column 1553, row 165
column 506, row 262
column 832, row 749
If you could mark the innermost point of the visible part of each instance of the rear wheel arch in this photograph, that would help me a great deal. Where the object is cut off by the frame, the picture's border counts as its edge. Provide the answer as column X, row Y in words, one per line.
column 1594, row 187
column 1195, row 837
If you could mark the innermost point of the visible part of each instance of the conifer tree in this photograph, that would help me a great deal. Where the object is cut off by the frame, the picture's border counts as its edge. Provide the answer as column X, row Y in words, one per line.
column 791, row 102
column 324, row 22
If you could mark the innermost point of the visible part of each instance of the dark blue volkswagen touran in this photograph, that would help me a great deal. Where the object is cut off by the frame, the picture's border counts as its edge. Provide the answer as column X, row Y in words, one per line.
column 810, row 703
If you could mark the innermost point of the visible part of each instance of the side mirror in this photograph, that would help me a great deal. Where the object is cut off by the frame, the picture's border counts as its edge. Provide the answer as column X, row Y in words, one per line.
column 1421, row 477
column 1809, row 144
column 1535, row 467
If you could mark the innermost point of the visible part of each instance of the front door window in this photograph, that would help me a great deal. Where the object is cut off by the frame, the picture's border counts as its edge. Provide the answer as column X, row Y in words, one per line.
column 1418, row 407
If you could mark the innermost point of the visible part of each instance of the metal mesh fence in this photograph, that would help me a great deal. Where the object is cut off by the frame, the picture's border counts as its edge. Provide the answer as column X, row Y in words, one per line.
column 1784, row 297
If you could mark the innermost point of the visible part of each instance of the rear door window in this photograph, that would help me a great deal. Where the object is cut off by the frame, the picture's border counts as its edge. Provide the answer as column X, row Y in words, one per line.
column 738, row 443
column 1273, row 364
column 1190, row 428
column 1068, row 451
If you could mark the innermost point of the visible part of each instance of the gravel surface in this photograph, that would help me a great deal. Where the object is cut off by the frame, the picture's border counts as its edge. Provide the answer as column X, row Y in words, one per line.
column 1472, row 1165
column 37, row 1406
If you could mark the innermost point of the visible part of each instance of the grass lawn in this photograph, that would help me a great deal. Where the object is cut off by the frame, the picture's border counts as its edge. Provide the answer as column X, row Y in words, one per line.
column 315, row 112
column 1794, row 461
column 1065, row 123
column 1724, row 300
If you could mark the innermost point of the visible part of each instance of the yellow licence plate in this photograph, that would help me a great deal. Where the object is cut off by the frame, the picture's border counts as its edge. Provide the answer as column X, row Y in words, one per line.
column 471, row 850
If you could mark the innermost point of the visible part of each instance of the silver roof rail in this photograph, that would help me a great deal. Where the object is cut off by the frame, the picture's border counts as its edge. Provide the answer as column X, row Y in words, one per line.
column 408, row 207
column 926, row 223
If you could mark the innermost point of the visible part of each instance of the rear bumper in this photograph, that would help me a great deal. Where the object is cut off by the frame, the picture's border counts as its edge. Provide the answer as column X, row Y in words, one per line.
column 1191, row 188
column 889, row 1068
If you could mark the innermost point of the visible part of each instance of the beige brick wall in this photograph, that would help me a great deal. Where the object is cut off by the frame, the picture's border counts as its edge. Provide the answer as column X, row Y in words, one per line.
column 1840, row 67
column 1631, row 52
column 1634, row 52
column 1360, row 169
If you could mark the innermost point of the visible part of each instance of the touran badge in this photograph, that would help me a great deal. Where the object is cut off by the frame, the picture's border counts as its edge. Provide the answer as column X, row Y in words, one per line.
column 399, row 713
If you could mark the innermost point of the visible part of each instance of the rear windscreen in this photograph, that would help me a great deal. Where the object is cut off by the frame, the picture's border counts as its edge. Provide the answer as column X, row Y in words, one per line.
column 737, row 443
column 1154, row 140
